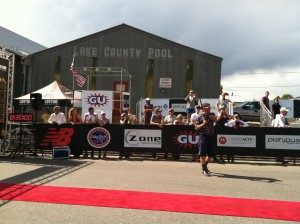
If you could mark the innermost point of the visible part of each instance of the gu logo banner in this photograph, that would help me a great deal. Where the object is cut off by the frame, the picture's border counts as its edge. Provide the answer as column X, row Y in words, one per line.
column 186, row 139
column 97, row 100
column 98, row 137
column 56, row 137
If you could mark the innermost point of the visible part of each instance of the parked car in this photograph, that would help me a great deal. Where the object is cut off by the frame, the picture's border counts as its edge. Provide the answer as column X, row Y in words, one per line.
column 248, row 111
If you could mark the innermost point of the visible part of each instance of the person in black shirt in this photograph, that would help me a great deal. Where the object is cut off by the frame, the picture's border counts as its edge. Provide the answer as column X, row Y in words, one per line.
column 204, row 124
column 275, row 107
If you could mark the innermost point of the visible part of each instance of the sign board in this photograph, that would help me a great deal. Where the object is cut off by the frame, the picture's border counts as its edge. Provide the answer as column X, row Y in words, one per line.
column 100, row 100
column 165, row 82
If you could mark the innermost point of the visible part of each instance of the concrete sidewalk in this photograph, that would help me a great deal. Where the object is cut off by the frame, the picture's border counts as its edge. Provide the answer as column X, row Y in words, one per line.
column 242, row 179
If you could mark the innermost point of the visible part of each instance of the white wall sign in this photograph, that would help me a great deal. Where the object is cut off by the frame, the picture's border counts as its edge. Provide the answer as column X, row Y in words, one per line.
column 165, row 82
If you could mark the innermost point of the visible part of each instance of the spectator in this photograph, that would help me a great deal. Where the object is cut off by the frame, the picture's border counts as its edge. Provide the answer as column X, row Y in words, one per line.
column 90, row 117
column 57, row 117
column 148, row 109
column 169, row 119
column 45, row 116
column 103, row 120
column 131, row 116
column 223, row 118
column 124, row 121
column 276, row 107
column 179, row 120
column 195, row 115
column 265, row 100
column 156, row 119
column 74, row 117
column 281, row 121
column 191, row 101
column 223, row 102
column 236, row 123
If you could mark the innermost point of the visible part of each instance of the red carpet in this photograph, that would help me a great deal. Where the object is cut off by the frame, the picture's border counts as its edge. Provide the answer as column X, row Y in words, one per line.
column 269, row 209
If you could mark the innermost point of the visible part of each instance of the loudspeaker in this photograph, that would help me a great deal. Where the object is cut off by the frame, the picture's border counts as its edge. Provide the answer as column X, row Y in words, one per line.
column 36, row 101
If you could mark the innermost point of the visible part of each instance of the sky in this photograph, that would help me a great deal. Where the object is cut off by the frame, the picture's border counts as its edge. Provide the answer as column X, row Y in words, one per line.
column 259, row 41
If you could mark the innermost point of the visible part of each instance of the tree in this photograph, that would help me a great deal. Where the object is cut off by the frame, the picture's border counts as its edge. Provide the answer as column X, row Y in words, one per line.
column 221, row 89
column 287, row 97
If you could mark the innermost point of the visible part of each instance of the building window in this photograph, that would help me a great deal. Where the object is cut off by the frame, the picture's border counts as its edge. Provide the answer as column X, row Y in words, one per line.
column 57, row 69
column 149, row 78
column 189, row 76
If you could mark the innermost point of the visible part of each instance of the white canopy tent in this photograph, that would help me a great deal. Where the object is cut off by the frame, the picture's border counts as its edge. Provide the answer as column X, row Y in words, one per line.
column 52, row 94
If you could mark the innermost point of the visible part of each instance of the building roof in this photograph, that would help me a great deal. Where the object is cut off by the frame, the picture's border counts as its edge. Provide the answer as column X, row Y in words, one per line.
column 133, row 29
column 18, row 44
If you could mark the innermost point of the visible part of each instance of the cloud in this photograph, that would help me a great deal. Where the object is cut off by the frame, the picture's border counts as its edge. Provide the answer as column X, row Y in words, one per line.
column 250, row 36
column 252, row 85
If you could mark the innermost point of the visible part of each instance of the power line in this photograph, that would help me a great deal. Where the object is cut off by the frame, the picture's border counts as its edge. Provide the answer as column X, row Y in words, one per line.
column 257, row 87
column 258, row 73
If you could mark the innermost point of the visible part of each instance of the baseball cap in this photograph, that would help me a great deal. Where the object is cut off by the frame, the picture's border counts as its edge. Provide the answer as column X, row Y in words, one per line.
column 283, row 109
column 102, row 112
column 148, row 99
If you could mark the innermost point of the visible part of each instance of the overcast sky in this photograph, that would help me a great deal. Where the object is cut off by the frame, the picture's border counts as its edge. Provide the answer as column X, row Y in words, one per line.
column 259, row 40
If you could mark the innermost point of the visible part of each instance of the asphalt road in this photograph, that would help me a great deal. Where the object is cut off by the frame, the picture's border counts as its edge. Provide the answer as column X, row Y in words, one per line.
column 242, row 179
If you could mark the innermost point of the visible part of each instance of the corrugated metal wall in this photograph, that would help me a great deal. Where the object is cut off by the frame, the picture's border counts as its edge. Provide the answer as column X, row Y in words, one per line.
column 130, row 48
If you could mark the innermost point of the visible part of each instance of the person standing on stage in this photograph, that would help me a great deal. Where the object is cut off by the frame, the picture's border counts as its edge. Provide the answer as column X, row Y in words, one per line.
column 148, row 109
column 57, row 117
column 276, row 107
column 191, row 101
column 204, row 124
column 265, row 100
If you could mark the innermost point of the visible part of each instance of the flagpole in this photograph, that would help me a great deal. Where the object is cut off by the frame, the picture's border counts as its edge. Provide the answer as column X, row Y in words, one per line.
column 72, row 65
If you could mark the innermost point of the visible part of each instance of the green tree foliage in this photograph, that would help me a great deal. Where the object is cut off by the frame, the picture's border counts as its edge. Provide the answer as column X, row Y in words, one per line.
column 287, row 97
column 221, row 89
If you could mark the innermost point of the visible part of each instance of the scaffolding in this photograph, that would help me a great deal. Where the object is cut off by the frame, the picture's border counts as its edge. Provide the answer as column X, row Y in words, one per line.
column 10, row 57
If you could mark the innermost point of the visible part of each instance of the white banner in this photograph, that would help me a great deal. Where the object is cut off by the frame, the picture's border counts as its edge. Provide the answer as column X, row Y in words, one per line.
column 100, row 100
column 247, row 141
column 142, row 138
column 282, row 142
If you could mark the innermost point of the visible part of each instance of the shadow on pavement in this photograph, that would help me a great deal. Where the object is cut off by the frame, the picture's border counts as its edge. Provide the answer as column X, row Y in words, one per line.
column 259, row 179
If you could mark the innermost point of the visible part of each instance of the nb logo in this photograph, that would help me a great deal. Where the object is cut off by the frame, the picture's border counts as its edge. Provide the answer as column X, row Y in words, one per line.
column 59, row 137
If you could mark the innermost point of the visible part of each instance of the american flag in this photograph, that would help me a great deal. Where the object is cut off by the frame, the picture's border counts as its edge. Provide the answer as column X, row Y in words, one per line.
column 80, row 80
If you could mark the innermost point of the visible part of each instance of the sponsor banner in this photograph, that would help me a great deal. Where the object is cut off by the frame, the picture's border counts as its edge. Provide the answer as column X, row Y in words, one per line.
column 142, row 138
column 98, row 137
column 100, row 100
column 247, row 141
column 282, row 142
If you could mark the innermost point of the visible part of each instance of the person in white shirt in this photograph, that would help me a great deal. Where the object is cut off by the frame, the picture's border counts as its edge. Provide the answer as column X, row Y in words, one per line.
column 236, row 122
column 281, row 120
column 90, row 117
column 195, row 115
column 57, row 117
column 169, row 119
